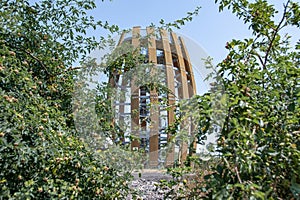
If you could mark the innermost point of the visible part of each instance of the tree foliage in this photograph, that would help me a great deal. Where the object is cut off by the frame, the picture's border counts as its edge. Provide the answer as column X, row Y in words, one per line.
column 257, row 115
column 41, row 155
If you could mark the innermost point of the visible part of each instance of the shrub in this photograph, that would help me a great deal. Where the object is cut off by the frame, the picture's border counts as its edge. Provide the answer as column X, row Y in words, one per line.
column 41, row 153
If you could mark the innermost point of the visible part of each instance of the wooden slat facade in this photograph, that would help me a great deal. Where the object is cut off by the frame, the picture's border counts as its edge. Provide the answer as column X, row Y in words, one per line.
column 172, row 48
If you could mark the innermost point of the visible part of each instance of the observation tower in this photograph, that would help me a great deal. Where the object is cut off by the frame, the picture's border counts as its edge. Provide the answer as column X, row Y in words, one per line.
column 146, row 112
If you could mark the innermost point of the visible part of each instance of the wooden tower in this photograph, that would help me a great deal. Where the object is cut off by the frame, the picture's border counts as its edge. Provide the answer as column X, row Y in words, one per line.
column 169, row 56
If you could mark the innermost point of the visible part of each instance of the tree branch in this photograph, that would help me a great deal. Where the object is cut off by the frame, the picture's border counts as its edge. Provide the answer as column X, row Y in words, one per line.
column 38, row 60
column 274, row 35
column 237, row 174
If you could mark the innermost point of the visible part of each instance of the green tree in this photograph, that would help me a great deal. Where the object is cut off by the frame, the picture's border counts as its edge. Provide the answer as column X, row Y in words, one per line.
column 41, row 155
column 254, row 108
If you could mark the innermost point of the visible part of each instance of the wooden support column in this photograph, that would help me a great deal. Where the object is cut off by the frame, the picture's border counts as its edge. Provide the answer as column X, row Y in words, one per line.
column 189, row 68
column 121, row 38
column 135, row 97
column 183, row 93
column 191, row 88
column 183, row 90
column 154, row 114
column 171, row 97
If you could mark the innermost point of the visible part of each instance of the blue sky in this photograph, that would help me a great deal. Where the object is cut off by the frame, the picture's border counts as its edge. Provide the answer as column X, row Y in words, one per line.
column 210, row 29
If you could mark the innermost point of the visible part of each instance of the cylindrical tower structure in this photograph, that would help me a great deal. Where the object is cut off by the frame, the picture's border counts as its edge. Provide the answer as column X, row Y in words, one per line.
column 147, row 111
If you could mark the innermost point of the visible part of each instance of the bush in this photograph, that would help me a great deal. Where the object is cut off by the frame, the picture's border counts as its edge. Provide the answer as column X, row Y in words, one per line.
column 41, row 153
column 257, row 115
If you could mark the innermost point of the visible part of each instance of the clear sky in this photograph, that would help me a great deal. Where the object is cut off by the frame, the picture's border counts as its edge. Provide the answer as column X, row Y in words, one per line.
column 210, row 29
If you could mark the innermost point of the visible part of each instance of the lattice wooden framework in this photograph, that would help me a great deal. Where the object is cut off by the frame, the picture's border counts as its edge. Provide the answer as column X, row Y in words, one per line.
column 168, row 53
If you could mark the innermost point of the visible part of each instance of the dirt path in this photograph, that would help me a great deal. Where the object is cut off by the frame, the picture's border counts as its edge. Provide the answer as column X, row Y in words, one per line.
column 146, row 183
column 152, row 175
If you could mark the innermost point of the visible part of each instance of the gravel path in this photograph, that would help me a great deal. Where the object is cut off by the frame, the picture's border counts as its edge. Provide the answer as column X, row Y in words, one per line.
column 147, row 185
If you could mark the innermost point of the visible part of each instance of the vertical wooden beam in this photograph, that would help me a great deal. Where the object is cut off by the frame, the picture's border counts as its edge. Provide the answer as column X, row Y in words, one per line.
column 171, row 97
column 135, row 96
column 189, row 67
column 121, row 38
column 183, row 90
column 192, row 88
column 154, row 114
column 183, row 93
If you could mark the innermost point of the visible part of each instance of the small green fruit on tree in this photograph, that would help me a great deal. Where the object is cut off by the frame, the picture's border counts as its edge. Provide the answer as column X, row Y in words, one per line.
column 258, row 140
column 41, row 156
